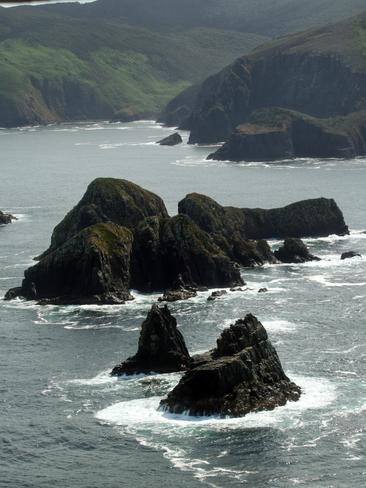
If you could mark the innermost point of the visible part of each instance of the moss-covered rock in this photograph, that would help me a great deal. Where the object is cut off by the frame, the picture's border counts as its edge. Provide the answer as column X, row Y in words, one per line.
column 108, row 199
column 91, row 267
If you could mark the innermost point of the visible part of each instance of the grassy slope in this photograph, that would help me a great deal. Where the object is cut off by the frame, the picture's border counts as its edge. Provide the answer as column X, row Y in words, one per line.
column 115, row 66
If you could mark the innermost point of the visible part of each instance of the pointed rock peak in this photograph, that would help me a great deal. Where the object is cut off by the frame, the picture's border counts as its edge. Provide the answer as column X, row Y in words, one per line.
column 161, row 347
column 244, row 333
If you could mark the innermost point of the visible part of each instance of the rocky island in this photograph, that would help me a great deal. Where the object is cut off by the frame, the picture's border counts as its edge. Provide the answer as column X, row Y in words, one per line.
column 119, row 237
column 242, row 374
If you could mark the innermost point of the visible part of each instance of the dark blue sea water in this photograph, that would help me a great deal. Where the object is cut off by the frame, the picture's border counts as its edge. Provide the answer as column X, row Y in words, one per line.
column 66, row 423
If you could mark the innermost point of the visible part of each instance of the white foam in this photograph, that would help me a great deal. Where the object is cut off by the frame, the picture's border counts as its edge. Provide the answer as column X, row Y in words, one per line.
column 317, row 394
column 279, row 325
column 102, row 378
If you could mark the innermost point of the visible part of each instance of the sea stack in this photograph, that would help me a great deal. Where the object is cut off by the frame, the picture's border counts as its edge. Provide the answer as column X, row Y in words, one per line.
column 161, row 346
column 242, row 374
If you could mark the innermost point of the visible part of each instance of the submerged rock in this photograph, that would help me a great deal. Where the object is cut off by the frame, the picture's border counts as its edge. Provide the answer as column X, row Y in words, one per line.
column 350, row 255
column 242, row 375
column 172, row 140
column 294, row 251
column 91, row 267
column 161, row 346
column 6, row 218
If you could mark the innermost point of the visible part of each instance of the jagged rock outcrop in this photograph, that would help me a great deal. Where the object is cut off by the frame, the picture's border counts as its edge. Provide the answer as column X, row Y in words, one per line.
column 91, row 267
column 167, row 248
column 350, row 255
column 6, row 218
column 242, row 375
column 161, row 346
column 294, row 251
column 172, row 140
column 320, row 73
column 230, row 226
column 275, row 133
column 108, row 199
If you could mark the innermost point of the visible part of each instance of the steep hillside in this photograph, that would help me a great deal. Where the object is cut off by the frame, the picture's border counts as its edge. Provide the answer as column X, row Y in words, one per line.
column 321, row 73
column 56, row 67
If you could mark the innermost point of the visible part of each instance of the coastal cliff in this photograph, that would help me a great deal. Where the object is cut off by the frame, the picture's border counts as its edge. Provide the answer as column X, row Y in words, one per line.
column 319, row 73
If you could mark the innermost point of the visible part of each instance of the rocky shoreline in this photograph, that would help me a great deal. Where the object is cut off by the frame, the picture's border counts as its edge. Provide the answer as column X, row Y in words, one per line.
column 120, row 237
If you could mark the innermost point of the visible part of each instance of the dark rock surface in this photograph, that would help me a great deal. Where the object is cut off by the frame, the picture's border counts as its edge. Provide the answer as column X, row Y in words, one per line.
column 91, row 267
column 172, row 140
column 294, row 251
column 350, row 255
column 276, row 133
column 167, row 248
column 242, row 375
column 108, row 199
column 161, row 346
column 229, row 226
column 6, row 218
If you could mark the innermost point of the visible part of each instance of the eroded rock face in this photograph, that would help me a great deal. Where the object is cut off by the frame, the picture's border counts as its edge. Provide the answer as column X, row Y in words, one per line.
column 242, row 375
column 294, row 251
column 91, row 267
column 108, row 200
column 167, row 248
column 172, row 140
column 161, row 346
column 6, row 218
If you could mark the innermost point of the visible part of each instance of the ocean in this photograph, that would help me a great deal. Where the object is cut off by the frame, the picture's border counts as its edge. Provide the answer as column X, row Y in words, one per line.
column 66, row 423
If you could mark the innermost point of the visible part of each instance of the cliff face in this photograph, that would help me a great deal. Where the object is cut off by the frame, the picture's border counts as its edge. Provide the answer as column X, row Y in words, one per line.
column 321, row 73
